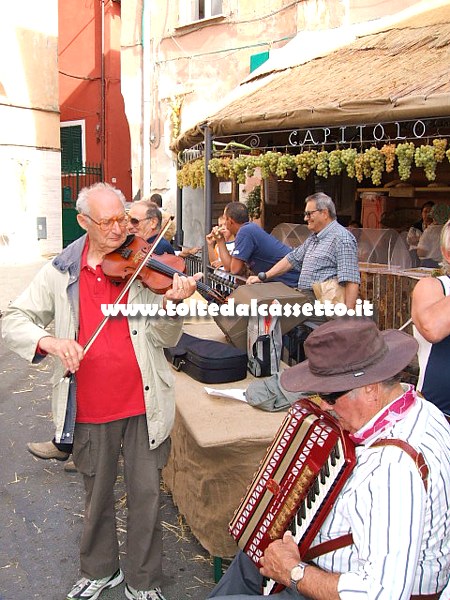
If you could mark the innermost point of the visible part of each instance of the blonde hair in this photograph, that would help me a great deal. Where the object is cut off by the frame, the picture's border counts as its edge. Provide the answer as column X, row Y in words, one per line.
column 445, row 246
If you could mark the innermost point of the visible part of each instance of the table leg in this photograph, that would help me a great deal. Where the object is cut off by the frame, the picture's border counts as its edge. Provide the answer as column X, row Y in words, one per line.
column 217, row 566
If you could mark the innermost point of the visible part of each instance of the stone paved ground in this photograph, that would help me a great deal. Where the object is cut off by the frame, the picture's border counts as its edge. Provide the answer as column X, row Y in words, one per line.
column 41, row 506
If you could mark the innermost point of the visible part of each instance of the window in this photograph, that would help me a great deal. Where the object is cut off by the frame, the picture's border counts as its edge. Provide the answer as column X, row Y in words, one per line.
column 198, row 10
column 72, row 145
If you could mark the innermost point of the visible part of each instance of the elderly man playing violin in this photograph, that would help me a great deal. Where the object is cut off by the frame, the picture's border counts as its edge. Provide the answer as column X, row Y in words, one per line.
column 115, row 398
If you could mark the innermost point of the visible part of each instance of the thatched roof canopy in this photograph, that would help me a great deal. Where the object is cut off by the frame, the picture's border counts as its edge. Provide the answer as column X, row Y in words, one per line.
column 400, row 73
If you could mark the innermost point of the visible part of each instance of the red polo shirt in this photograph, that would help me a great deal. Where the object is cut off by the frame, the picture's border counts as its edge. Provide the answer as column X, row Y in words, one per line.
column 109, row 382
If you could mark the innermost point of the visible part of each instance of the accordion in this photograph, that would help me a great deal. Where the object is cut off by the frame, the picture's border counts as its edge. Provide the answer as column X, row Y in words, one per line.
column 296, row 485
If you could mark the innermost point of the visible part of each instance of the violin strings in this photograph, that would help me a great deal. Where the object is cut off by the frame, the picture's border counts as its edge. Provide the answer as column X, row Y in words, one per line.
column 170, row 271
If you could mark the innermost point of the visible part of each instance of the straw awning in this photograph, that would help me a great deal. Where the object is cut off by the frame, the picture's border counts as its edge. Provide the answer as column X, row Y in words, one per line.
column 396, row 74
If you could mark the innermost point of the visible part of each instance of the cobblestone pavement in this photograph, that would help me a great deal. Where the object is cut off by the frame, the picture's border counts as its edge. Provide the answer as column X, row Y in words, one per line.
column 41, row 506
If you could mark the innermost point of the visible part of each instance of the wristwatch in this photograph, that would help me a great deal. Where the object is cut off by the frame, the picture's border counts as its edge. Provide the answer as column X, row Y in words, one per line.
column 297, row 574
column 262, row 276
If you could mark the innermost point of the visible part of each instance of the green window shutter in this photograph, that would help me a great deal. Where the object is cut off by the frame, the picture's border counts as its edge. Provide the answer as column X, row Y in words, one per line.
column 71, row 147
column 256, row 60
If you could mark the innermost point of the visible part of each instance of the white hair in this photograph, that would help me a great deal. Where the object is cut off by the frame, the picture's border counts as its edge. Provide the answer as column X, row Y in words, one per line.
column 82, row 205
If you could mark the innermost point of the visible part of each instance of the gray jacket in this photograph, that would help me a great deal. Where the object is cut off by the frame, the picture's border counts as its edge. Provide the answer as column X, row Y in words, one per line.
column 53, row 295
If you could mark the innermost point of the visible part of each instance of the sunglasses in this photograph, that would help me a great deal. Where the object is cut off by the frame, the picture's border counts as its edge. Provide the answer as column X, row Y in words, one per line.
column 333, row 397
column 135, row 222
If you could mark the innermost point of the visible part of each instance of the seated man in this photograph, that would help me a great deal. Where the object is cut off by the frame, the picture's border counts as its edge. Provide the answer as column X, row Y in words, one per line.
column 144, row 220
column 329, row 252
column 253, row 246
column 398, row 516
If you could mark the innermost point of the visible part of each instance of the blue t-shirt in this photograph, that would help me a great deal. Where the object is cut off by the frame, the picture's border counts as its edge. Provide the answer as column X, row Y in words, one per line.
column 163, row 247
column 261, row 251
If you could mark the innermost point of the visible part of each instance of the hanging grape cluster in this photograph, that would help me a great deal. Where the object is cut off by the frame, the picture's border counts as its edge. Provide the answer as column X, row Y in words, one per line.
column 424, row 157
column 389, row 156
column 348, row 157
column 439, row 145
column 305, row 162
column 371, row 163
column 192, row 174
column 374, row 164
column 405, row 155
column 335, row 162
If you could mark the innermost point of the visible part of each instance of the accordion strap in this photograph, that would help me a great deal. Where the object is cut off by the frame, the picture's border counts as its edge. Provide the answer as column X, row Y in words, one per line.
column 329, row 546
column 347, row 539
column 417, row 457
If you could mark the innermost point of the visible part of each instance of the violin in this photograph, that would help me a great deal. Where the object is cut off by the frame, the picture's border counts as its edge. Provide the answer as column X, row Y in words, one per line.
column 157, row 274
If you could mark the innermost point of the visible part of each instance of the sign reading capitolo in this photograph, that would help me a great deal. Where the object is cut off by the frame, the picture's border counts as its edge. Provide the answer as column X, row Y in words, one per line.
column 357, row 134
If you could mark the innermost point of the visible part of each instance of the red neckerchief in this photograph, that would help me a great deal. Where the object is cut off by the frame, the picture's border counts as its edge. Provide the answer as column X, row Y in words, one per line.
column 394, row 412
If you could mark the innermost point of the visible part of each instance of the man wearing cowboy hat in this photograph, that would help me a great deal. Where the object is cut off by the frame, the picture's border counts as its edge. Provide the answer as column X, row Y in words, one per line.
column 400, row 523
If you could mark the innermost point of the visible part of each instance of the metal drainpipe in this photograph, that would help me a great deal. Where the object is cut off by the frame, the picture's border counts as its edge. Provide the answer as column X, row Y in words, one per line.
column 207, row 196
column 103, row 95
column 179, row 236
column 145, row 103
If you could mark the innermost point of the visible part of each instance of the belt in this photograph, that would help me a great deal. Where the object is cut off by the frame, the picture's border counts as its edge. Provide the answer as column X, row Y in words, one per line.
column 427, row 596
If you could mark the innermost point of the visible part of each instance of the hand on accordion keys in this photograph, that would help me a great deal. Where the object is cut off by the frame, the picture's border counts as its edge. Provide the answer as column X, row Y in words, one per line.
column 279, row 558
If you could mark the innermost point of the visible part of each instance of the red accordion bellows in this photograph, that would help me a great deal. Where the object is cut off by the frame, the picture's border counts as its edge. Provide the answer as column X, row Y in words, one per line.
column 296, row 486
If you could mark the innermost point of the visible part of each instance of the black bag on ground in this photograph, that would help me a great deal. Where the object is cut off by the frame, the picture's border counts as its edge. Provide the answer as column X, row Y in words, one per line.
column 207, row 361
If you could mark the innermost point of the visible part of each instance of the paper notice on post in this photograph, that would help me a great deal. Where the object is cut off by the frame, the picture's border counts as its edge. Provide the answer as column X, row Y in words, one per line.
column 234, row 394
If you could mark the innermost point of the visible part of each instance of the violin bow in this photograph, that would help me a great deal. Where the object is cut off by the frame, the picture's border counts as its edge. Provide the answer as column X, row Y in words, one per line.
column 105, row 319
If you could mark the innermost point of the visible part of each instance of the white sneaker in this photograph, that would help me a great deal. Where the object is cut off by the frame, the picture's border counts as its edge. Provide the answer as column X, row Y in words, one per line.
column 90, row 589
column 133, row 594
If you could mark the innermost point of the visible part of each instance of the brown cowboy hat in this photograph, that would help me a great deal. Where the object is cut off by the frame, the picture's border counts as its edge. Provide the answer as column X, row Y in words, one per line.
column 348, row 353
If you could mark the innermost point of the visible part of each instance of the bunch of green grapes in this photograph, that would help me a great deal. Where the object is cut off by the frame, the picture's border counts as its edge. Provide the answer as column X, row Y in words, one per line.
column 220, row 167
column 198, row 173
column 374, row 161
column 253, row 162
column 389, row 155
column 183, row 176
column 269, row 162
column 285, row 163
column 322, row 164
column 192, row 174
column 405, row 156
column 348, row 157
column 447, row 154
column 238, row 167
column 359, row 167
column 335, row 162
column 424, row 157
column 305, row 162
column 439, row 149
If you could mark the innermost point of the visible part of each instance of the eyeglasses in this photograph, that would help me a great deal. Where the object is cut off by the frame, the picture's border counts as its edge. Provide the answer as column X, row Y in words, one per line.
column 108, row 224
column 308, row 213
column 135, row 222
column 333, row 397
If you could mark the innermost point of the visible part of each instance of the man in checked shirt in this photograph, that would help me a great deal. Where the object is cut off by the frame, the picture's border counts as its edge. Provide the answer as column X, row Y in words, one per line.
column 329, row 252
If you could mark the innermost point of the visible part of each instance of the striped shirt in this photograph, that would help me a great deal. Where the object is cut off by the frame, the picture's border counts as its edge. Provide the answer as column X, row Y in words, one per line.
column 333, row 252
column 401, row 532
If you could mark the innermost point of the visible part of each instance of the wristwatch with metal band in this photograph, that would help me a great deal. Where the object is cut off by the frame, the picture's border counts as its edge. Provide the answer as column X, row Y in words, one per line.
column 297, row 574
column 262, row 276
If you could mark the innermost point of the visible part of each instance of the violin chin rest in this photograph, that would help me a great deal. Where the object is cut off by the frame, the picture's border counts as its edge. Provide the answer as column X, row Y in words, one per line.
column 130, row 237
